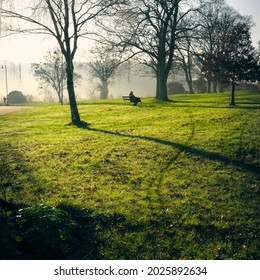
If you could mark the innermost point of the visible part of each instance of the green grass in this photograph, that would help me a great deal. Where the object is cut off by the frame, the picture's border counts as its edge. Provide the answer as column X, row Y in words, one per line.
column 165, row 180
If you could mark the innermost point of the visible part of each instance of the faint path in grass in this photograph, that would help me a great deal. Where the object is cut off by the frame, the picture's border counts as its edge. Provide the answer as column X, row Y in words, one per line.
column 161, row 174
column 9, row 109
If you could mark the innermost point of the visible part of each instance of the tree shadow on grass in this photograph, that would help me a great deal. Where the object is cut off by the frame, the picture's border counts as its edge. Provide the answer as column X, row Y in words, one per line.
column 65, row 231
column 236, row 106
column 212, row 105
column 43, row 232
column 165, row 239
column 180, row 147
column 40, row 231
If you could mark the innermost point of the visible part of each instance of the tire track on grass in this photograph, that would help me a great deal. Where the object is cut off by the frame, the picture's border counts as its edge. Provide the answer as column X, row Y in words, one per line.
column 159, row 178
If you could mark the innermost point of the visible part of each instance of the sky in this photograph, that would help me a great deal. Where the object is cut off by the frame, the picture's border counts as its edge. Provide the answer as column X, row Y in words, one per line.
column 249, row 7
column 32, row 48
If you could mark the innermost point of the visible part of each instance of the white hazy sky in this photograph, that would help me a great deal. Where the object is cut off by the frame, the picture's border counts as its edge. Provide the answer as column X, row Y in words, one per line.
column 29, row 48
column 249, row 7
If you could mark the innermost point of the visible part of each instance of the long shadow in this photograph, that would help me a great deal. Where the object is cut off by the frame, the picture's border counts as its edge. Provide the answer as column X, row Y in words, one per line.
column 67, row 232
column 40, row 232
column 183, row 148
column 181, row 103
column 212, row 105
column 222, row 107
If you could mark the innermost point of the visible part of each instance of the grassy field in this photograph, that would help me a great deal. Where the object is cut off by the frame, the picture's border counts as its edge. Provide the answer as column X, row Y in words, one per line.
column 164, row 180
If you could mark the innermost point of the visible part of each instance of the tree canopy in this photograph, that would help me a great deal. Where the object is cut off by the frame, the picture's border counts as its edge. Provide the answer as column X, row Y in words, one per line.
column 150, row 30
column 216, row 37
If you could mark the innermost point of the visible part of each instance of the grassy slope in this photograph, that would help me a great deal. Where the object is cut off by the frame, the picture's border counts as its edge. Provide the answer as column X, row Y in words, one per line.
column 174, row 180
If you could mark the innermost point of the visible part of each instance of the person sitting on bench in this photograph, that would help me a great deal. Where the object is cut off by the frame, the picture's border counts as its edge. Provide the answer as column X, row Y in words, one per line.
column 133, row 98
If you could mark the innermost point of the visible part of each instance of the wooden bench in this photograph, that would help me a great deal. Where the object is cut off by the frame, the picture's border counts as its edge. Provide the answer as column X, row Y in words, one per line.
column 127, row 98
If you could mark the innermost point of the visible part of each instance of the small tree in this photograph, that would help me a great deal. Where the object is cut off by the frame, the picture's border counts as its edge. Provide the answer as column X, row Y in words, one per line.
column 257, row 57
column 215, row 20
column 237, row 58
column 52, row 74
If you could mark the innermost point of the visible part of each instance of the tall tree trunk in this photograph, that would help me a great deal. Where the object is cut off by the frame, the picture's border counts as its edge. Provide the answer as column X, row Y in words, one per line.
column 161, row 87
column 209, row 85
column 60, row 89
column 191, row 91
column 232, row 103
column 161, row 84
column 71, row 92
column 215, row 83
column 104, row 90
column 157, row 94
column 188, row 76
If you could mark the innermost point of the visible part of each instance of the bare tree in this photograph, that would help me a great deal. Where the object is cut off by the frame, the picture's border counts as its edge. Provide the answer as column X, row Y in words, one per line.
column 51, row 73
column 64, row 20
column 209, row 17
column 103, row 66
column 215, row 20
column 150, row 30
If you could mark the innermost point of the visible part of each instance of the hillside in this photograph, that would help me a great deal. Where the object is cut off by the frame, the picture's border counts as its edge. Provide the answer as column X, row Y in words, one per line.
column 163, row 180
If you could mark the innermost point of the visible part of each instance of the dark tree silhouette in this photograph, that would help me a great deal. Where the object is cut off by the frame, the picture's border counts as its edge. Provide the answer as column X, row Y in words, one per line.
column 237, row 58
column 150, row 30
column 215, row 20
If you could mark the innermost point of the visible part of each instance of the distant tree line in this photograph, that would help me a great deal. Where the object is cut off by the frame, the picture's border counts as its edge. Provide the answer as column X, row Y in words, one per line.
column 205, row 38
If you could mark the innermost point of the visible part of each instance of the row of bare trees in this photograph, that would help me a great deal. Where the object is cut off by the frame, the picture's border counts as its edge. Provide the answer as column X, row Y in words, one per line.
column 223, row 48
column 159, row 34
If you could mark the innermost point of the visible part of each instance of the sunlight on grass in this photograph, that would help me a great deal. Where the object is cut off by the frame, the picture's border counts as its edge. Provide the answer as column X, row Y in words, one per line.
column 171, row 180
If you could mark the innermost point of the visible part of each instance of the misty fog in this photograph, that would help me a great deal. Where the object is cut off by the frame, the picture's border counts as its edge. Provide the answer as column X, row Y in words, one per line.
column 20, row 77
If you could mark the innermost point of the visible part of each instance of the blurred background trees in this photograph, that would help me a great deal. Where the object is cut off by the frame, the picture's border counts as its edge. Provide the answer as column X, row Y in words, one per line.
column 168, row 39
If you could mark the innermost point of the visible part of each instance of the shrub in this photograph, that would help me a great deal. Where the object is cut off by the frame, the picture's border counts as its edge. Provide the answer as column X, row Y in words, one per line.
column 7, row 236
column 44, row 232
column 200, row 85
column 175, row 87
column 16, row 97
